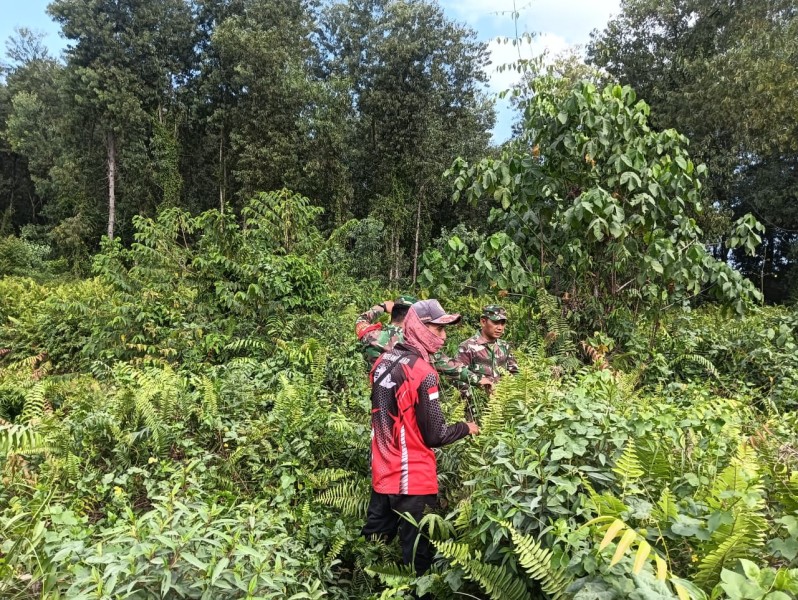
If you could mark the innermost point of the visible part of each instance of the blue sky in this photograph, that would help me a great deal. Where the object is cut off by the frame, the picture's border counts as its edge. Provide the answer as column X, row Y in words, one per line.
column 557, row 24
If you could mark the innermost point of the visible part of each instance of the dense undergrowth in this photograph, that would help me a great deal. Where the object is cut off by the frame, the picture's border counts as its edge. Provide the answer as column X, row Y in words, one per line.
column 193, row 422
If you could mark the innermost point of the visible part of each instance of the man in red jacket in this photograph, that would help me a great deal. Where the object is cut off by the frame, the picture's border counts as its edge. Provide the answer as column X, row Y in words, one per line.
column 406, row 424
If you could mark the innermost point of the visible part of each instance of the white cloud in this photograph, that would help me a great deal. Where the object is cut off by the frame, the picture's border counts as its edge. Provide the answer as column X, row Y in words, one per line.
column 557, row 25
column 503, row 55
column 570, row 19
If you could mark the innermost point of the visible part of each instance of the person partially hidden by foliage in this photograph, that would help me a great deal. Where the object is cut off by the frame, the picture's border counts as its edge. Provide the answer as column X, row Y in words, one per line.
column 485, row 353
column 406, row 424
column 376, row 338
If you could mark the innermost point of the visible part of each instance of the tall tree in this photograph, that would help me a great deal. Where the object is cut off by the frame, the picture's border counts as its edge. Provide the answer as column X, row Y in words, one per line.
column 211, row 100
column 417, row 83
column 724, row 73
column 28, row 99
column 127, row 60
column 264, row 119
column 267, row 52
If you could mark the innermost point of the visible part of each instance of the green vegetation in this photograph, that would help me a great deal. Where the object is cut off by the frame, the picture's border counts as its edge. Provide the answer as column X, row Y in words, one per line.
column 193, row 422
column 722, row 73
column 184, row 411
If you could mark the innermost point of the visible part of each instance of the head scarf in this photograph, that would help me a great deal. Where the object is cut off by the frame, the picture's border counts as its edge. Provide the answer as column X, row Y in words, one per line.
column 419, row 337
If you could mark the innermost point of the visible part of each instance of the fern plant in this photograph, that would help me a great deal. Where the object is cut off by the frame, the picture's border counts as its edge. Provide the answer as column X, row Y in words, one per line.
column 350, row 497
column 738, row 492
column 498, row 581
column 537, row 562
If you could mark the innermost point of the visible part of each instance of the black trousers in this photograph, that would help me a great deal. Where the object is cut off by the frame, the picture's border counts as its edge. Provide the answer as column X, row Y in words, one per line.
column 384, row 520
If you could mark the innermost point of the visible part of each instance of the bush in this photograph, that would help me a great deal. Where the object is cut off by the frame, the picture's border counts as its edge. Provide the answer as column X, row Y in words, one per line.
column 22, row 257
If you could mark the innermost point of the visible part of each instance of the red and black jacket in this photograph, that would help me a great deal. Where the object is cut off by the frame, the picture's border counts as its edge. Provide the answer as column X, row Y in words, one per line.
column 406, row 423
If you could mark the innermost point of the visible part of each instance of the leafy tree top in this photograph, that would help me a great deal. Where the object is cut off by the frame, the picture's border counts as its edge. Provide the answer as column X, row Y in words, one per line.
column 603, row 206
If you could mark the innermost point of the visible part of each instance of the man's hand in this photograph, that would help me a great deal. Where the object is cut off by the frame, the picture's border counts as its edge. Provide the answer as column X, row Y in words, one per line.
column 473, row 428
column 487, row 384
column 388, row 304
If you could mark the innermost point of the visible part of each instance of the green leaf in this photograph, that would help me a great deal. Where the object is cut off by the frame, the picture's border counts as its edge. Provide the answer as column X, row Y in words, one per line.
column 219, row 568
column 787, row 548
column 193, row 560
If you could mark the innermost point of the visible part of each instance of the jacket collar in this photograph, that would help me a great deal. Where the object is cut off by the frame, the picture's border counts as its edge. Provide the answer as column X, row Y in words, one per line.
column 482, row 340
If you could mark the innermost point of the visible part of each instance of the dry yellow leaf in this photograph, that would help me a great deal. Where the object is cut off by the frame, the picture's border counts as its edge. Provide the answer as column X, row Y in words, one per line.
column 642, row 555
column 626, row 541
column 681, row 592
column 662, row 567
column 613, row 530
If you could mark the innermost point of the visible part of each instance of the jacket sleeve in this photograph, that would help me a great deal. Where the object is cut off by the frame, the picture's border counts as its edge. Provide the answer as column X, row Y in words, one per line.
column 454, row 369
column 512, row 364
column 366, row 321
column 430, row 419
column 463, row 354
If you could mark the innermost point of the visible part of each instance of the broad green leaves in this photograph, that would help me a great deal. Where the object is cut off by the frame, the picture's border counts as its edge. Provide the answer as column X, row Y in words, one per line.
column 708, row 68
column 603, row 206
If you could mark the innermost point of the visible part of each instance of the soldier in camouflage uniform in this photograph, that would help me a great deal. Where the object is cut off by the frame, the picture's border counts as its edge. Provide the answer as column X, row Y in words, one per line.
column 376, row 338
column 486, row 353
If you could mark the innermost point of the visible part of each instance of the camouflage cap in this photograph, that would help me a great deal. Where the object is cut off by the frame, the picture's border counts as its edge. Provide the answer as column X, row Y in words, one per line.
column 494, row 312
column 405, row 300
column 431, row 311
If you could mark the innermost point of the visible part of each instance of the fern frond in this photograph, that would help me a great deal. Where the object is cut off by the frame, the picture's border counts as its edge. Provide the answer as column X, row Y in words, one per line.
column 324, row 477
column 334, row 551
column 290, row 408
column 351, row 498
column 339, row 423
column 511, row 400
column 735, row 546
column 654, row 460
column 628, row 467
column 786, row 492
column 666, row 509
column 247, row 344
column 737, row 490
column 35, row 403
column 210, row 400
column 498, row 581
column 606, row 504
column 493, row 418
column 318, row 363
column 393, row 575
column 20, row 439
column 536, row 561
column 465, row 511
column 699, row 360
column 146, row 410
column 627, row 382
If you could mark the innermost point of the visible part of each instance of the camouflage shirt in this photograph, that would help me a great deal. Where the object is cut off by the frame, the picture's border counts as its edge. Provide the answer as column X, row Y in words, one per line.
column 487, row 358
column 376, row 338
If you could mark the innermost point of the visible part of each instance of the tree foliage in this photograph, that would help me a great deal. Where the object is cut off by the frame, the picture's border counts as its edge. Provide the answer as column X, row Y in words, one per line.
column 721, row 73
column 600, row 207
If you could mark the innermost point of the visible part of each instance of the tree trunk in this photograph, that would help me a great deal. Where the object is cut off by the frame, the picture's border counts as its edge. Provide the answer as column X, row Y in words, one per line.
column 762, row 269
column 221, row 171
column 111, row 146
column 415, row 250
column 397, row 251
